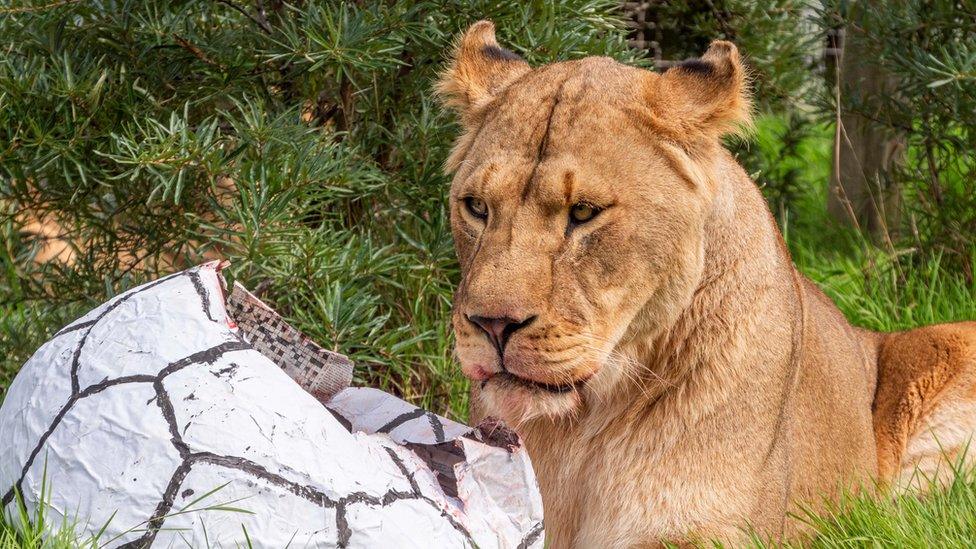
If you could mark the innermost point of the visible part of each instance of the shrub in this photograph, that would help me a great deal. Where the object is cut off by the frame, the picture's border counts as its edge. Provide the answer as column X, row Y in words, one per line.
column 300, row 141
column 925, row 51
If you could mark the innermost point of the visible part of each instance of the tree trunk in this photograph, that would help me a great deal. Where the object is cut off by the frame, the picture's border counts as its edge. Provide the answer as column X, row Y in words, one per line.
column 867, row 146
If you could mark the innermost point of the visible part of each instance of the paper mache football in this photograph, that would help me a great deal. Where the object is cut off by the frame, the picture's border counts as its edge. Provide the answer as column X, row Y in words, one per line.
column 181, row 414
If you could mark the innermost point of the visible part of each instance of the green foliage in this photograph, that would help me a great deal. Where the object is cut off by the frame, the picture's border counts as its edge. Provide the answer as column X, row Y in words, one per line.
column 788, row 156
column 928, row 50
column 299, row 141
column 875, row 290
column 774, row 37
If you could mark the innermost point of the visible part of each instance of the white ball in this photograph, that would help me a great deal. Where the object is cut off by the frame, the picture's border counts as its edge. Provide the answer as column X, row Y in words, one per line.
column 155, row 422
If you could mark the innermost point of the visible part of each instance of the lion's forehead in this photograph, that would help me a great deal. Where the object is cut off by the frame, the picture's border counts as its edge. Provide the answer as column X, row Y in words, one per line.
column 572, row 156
column 564, row 102
column 555, row 161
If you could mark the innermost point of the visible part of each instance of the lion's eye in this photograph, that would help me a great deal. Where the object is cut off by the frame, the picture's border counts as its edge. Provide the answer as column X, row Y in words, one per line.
column 582, row 212
column 476, row 207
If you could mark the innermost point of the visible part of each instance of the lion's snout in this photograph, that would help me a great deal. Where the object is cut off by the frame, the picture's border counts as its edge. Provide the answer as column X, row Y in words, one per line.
column 499, row 330
column 529, row 348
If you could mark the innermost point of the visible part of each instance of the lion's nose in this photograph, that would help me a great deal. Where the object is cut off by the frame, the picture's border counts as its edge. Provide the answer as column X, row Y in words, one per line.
column 500, row 329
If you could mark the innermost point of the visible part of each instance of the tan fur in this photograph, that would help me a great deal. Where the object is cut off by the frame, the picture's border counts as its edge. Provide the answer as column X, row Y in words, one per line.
column 925, row 402
column 708, row 387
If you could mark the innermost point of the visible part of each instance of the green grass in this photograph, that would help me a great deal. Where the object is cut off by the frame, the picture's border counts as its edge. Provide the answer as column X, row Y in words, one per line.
column 879, row 292
column 945, row 518
column 24, row 529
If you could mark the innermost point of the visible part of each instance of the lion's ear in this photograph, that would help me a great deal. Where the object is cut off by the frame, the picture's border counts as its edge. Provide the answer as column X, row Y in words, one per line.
column 703, row 98
column 478, row 71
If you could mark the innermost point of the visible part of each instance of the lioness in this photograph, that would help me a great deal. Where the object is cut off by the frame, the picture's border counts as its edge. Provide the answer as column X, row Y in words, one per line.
column 628, row 304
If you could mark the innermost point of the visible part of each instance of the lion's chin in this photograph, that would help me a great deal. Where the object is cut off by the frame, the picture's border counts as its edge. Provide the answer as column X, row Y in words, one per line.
column 518, row 402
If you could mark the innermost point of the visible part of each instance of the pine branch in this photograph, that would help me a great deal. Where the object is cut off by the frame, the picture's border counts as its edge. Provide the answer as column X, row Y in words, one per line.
column 260, row 20
column 37, row 9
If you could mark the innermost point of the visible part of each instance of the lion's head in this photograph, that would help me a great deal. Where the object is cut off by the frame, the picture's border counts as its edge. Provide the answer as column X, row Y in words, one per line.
column 579, row 198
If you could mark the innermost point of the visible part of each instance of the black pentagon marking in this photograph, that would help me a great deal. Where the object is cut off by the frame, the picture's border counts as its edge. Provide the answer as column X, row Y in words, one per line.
column 311, row 494
column 341, row 419
column 75, row 388
column 207, row 355
column 169, row 414
column 162, row 509
column 97, row 388
column 403, row 469
column 74, row 328
column 254, row 469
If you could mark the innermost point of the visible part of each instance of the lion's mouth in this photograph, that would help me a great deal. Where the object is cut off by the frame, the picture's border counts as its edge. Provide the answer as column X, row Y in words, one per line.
column 514, row 380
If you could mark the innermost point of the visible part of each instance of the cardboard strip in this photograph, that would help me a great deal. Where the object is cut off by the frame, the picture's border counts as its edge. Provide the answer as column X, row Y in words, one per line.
column 321, row 372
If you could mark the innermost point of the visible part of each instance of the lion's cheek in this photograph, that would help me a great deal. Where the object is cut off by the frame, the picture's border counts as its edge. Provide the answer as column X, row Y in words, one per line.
column 464, row 244
column 553, row 365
